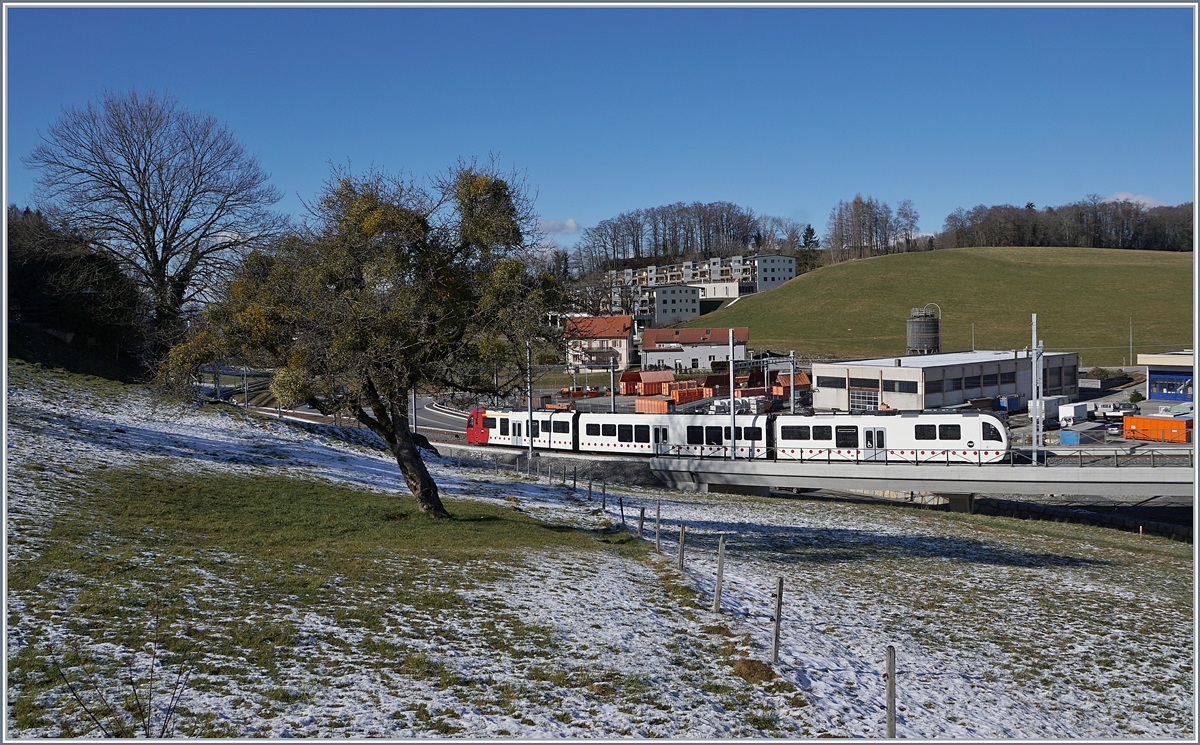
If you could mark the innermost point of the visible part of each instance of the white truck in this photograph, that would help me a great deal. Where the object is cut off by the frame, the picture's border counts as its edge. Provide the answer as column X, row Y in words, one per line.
column 1115, row 409
column 1072, row 414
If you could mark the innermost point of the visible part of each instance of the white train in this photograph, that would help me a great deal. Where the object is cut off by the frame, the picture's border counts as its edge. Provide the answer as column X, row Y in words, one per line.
column 875, row 436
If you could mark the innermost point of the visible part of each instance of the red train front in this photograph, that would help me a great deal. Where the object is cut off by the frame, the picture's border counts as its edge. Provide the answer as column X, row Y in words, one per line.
column 477, row 434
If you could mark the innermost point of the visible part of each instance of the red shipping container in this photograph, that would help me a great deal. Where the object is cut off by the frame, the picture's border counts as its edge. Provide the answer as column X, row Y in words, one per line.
column 749, row 392
column 1158, row 429
column 653, row 405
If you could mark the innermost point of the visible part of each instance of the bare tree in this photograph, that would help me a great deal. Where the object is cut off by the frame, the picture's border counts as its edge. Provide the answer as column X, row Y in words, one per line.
column 167, row 192
column 907, row 219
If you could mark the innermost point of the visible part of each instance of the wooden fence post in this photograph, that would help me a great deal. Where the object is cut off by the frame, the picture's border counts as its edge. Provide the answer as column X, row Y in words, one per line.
column 641, row 520
column 621, row 507
column 574, row 478
column 778, row 619
column 891, row 692
column 681, row 539
column 603, row 495
column 716, row 607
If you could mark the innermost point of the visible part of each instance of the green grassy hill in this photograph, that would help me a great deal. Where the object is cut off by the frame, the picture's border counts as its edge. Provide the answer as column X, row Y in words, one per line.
column 1083, row 297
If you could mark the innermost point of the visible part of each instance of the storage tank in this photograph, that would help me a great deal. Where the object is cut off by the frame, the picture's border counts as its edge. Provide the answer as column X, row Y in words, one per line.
column 924, row 331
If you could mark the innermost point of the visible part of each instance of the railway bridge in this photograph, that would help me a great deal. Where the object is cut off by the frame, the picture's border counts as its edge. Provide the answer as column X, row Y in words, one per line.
column 1172, row 473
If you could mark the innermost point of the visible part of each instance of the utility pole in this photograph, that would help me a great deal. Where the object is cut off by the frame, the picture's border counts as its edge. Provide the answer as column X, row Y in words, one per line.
column 1036, row 404
column 612, row 382
column 1131, row 341
column 529, row 396
column 732, row 408
column 792, row 403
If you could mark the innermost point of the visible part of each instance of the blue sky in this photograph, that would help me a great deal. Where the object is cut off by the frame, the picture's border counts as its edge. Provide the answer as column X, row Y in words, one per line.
column 782, row 110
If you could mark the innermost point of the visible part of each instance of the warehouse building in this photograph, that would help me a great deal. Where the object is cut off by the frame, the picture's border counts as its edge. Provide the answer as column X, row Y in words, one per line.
column 1169, row 375
column 931, row 381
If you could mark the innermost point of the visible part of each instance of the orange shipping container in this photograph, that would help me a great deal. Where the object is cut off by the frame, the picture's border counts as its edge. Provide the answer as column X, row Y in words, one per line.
column 653, row 405
column 1158, row 429
column 749, row 392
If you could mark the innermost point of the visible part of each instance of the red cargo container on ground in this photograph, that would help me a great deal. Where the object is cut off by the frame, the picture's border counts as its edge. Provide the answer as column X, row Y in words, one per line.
column 1158, row 428
column 653, row 405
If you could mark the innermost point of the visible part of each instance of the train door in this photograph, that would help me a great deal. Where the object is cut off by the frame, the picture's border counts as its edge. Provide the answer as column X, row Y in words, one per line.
column 874, row 444
column 662, row 440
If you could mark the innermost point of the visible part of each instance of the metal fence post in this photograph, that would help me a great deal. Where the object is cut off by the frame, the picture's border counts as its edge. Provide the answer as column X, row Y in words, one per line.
column 778, row 619
column 657, row 523
column 716, row 606
column 891, row 692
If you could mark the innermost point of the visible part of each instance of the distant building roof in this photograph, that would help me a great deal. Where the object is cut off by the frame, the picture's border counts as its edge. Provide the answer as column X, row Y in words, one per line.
column 1179, row 358
column 669, row 338
column 598, row 327
column 945, row 358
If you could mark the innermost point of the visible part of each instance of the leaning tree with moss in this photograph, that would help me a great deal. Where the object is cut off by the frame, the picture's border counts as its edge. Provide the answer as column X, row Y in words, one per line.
column 391, row 287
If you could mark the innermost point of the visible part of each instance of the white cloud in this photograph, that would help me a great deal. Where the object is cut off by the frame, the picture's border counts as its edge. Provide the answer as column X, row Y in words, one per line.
column 561, row 227
column 1142, row 199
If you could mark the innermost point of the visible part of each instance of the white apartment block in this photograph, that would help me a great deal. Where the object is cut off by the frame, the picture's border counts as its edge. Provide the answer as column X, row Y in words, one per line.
column 719, row 276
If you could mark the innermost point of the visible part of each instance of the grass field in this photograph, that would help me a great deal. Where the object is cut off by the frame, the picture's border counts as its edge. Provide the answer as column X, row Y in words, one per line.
column 285, row 568
column 1083, row 297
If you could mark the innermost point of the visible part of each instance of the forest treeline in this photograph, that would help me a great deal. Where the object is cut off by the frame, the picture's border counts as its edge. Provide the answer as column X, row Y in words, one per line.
column 862, row 227
column 679, row 232
column 1093, row 222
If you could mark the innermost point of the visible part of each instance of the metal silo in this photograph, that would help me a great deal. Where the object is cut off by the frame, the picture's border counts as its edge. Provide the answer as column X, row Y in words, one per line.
column 924, row 331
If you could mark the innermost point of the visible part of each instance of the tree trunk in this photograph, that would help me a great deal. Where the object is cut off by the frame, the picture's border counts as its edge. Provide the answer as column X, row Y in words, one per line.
column 416, row 475
column 392, row 426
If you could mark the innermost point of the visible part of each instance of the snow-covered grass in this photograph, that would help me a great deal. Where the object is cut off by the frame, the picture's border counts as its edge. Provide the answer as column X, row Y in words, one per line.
column 291, row 566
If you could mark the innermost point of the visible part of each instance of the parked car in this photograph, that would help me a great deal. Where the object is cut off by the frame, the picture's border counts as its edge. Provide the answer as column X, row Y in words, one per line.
column 1049, row 425
column 1116, row 430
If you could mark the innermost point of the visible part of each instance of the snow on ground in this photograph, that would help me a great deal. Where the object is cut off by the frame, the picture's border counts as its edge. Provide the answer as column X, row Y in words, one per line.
column 1001, row 629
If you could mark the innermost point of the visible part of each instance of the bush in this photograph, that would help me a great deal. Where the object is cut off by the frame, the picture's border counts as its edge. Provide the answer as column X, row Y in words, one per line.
column 1135, row 397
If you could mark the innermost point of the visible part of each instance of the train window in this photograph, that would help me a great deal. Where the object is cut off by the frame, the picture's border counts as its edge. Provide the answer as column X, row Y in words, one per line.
column 503, row 426
column 489, row 422
column 737, row 433
column 794, row 433
column 533, row 428
column 991, row 433
column 593, row 430
column 641, row 433
column 656, row 435
column 546, row 426
column 695, row 435
column 712, row 436
column 847, row 437
column 562, row 427
column 664, row 434
column 868, row 438
column 610, row 430
column 925, row 432
column 516, row 429
column 624, row 433
column 470, row 422
column 949, row 432
column 823, row 432
column 754, row 433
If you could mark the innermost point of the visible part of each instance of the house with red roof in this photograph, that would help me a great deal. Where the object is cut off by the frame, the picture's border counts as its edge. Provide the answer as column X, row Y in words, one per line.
column 692, row 349
column 599, row 342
